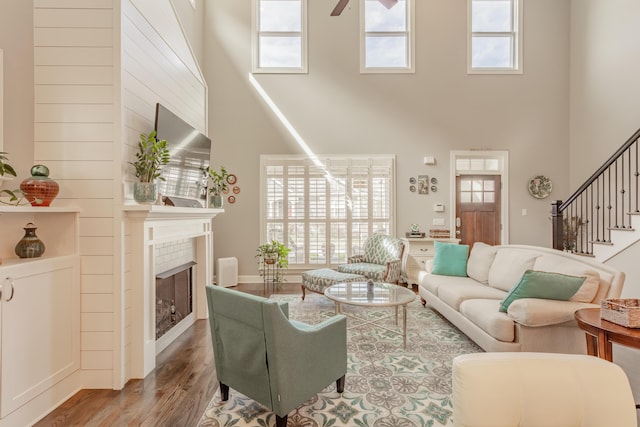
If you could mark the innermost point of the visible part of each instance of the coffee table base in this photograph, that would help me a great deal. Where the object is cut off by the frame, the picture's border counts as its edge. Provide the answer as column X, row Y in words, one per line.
column 375, row 322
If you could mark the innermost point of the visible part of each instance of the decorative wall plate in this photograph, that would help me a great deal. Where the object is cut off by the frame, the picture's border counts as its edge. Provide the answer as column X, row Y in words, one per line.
column 412, row 188
column 412, row 180
column 231, row 179
column 226, row 190
column 540, row 186
column 434, row 180
column 236, row 190
column 434, row 188
column 231, row 199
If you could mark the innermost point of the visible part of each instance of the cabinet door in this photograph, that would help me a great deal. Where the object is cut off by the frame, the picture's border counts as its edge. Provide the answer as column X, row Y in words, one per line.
column 40, row 328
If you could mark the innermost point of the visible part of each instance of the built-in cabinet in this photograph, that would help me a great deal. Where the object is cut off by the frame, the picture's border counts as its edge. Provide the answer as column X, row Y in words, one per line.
column 417, row 251
column 39, row 314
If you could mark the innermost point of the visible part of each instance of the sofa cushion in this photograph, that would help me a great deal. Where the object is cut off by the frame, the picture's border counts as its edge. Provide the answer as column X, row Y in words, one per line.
column 434, row 282
column 560, row 264
column 544, row 285
column 535, row 312
column 450, row 259
column 454, row 294
column 508, row 267
column 480, row 260
column 485, row 315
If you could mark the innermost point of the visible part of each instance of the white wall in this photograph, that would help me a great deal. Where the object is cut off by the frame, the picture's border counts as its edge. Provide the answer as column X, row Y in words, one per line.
column 605, row 65
column 16, row 41
column 75, row 126
column 438, row 109
column 157, row 66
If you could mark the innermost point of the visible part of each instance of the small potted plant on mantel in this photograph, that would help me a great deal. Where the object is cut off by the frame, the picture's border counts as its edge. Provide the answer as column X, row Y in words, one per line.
column 217, row 185
column 151, row 156
column 273, row 257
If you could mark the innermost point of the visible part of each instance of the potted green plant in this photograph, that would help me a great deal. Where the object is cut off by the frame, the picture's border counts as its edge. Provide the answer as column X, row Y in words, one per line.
column 7, row 170
column 217, row 185
column 273, row 257
column 151, row 156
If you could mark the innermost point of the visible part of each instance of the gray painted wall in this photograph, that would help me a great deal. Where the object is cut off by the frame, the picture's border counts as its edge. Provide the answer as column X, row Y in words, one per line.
column 438, row 109
column 605, row 65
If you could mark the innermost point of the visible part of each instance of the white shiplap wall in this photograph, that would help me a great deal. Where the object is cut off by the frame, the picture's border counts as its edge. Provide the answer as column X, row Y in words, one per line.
column 100, row 68
column 157, row 66
column 75, row 132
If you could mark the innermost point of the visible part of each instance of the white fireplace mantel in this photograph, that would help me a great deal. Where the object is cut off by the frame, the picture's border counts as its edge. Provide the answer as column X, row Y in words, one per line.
column 148, row 226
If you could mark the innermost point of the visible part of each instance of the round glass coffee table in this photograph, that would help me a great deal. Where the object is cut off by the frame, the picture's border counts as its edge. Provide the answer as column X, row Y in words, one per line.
column 374, row 294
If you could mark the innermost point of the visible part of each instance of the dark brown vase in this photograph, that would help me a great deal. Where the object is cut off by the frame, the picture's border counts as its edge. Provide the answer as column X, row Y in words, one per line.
column 30, row 246
column 39, row 190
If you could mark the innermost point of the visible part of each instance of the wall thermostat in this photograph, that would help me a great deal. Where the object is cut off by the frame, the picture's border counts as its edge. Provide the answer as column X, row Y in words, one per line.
column 438, row 207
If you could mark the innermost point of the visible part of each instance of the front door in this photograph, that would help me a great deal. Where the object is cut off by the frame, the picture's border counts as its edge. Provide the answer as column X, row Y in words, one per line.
column 478, row 209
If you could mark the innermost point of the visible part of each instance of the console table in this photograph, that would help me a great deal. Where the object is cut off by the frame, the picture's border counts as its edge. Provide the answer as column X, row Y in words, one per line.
column 417, row 251
column 601, row 333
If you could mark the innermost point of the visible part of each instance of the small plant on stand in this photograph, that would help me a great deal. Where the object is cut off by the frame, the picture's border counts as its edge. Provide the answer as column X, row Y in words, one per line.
column 218, row 184
column 273, row 257
column 151, row 156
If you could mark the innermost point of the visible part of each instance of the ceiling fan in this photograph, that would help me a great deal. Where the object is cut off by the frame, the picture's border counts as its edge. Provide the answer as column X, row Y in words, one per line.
column 343, row 3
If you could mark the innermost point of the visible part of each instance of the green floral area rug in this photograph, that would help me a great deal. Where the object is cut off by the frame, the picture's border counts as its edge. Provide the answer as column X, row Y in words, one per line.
column 386, row 385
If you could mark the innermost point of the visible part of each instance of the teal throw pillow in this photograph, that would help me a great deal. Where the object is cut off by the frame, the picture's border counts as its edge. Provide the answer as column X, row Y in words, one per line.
column 544, row 285
column 450, row 259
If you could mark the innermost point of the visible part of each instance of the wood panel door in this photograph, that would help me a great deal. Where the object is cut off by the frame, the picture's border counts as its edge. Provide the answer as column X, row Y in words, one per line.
column 478, row 209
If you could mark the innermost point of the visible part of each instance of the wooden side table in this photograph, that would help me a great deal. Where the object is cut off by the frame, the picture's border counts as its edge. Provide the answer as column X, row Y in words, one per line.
column 601, row 333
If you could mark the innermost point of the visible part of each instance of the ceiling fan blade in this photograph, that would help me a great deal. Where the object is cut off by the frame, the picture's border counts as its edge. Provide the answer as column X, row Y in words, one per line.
column 339, row 7
column 388, row 3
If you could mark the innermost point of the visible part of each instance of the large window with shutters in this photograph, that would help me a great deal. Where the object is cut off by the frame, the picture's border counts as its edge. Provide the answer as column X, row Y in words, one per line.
column 495, row 36
column 324, row 209
column 280, row 36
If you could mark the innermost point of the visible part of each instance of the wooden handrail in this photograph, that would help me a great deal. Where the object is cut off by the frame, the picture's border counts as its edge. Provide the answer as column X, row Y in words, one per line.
column 600, row 171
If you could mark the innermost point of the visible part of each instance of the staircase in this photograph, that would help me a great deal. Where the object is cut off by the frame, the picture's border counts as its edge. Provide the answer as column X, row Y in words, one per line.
column 602, row 217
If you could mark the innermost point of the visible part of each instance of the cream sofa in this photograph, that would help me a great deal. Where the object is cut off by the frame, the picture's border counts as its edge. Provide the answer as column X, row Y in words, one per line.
column 540, row 325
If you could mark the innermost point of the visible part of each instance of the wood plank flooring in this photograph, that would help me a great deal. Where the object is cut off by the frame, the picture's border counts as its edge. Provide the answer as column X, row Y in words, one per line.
column 175, row 394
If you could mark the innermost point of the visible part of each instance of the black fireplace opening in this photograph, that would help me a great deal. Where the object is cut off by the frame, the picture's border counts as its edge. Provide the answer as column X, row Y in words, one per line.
column 174, row 297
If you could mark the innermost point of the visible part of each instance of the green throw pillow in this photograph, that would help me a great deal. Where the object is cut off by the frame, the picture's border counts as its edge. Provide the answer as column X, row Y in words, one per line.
column 450, row 259
column 544, row 285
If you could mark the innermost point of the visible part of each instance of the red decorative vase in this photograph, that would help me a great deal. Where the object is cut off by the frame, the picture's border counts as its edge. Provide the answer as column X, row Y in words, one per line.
column 39, row 190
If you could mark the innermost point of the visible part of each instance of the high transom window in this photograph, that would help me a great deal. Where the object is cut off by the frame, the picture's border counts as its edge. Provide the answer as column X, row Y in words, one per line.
column 324, row 209
column 495, row 36
column 386, row 41
column 280, row 36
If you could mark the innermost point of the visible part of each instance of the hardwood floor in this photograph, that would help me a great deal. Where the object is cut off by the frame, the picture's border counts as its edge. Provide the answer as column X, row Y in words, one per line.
column 175, row 394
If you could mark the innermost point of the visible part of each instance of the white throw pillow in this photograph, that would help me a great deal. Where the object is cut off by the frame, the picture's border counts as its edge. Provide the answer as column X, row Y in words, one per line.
column 480, row 260
column 509, row 266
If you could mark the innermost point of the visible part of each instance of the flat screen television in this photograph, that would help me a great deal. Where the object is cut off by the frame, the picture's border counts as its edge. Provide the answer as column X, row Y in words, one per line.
column 190, row 152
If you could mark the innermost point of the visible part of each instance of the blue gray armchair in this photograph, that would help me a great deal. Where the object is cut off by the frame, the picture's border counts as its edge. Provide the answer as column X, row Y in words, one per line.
column 277, row 362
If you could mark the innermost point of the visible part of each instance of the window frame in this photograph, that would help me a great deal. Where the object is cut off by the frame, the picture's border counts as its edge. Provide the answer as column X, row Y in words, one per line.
column 255, row 42
column 410, row 47
column 310, row 221
column 516, row 35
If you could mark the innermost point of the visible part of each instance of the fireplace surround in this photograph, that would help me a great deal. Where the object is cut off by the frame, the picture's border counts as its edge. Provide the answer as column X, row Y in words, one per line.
column 149, row 227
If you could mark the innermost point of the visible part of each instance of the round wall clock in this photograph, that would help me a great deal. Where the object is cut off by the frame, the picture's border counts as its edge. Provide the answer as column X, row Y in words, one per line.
column 540, row 186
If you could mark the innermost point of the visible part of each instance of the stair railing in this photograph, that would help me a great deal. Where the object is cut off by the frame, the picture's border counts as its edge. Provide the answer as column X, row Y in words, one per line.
column 603, row 203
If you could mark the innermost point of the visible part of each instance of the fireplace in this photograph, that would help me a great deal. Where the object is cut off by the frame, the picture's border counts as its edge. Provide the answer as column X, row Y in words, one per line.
column 174, row 297
column 160, row 238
